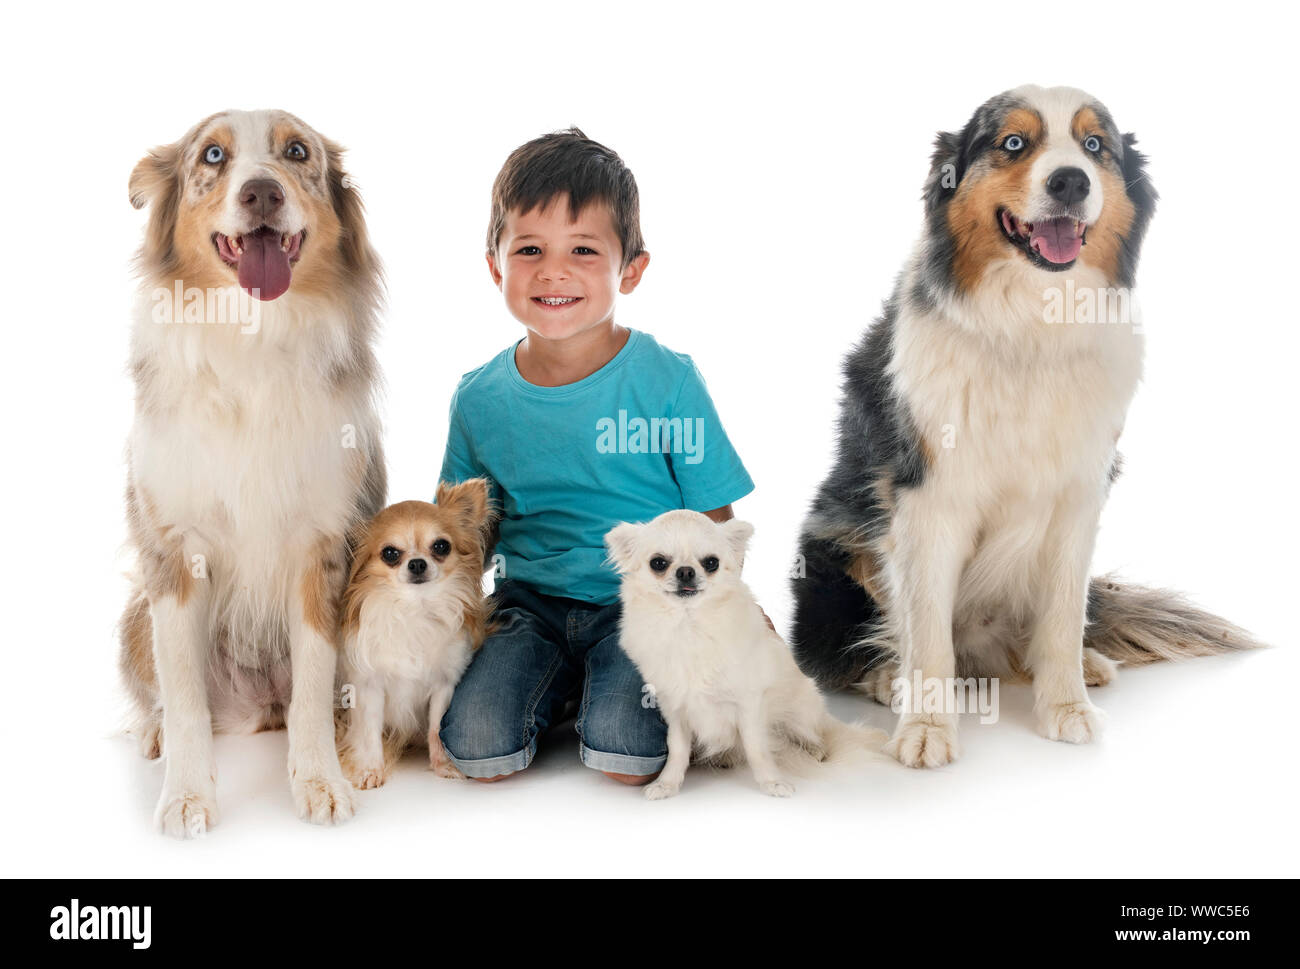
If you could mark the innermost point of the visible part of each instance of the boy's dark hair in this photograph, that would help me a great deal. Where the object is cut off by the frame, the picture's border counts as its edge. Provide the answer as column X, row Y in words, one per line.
column 568, row 163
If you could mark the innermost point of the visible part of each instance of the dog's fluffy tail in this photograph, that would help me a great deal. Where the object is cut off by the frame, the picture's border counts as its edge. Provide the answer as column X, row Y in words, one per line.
column 1135, row 625
column 848, row 741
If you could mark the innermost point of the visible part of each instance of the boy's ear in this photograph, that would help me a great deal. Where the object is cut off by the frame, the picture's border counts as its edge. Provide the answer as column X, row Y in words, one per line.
column 632, row 273
column 621, row 540
column 492, row 268
column 738, row 534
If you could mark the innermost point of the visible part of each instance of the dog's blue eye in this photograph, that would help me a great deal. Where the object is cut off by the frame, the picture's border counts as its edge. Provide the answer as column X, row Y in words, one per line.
column 1013, row 143
column 297, row 151
column 710, row 564
column 441, row 547
column 659, row 564
column 1092, row 143
column 390, row 555
column 213, row 155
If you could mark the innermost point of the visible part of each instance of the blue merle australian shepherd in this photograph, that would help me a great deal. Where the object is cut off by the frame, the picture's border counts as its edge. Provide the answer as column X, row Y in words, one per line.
column 977, row 439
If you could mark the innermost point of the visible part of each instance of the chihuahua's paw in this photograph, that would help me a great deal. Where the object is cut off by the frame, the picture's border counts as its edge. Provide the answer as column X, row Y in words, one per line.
column 777, row 788
column 660, row 789
column 924, row 743
column 323, row 798
column 1074, row 723
column 445, row 768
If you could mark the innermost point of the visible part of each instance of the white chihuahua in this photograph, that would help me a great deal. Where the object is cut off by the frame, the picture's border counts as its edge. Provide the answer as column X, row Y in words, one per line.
column 724, row 681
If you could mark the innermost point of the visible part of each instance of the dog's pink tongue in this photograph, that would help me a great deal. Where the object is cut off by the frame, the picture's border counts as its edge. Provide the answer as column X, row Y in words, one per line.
column 264, row 267
column 1056, row 240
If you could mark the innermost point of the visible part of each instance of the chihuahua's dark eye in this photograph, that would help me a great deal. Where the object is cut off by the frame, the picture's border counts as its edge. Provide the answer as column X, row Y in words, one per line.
column 214, row 155
column 710, row 563
column 391, row 555
column 441, row 547
column 659, row 564
column 296, row 150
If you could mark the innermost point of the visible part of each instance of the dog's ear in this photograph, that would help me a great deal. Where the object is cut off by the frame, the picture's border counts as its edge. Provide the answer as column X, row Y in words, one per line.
column 621, row 540
column 738, row 534
column 1143, row 195
column 154, row 177
column 945, row 171
column 156, row 182
column 359, row 551
column 354, row 242
column 470, row 500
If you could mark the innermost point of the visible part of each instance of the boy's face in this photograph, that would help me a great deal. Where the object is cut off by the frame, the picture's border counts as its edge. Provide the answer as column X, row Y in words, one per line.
column 560, row 277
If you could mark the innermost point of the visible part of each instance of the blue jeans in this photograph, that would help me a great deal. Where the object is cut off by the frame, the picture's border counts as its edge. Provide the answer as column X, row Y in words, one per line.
column 546, row 652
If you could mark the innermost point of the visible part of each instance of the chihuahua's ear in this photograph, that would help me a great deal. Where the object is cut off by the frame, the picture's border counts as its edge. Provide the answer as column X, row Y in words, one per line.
column 621, row 540
column 470, row 501
column 738, row 534
column 358, row 549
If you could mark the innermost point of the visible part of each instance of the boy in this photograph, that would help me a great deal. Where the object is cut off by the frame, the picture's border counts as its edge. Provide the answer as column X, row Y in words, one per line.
column 580, row 425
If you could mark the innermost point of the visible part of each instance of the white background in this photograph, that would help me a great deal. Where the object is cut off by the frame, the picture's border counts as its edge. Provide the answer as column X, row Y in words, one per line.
column 780, row 152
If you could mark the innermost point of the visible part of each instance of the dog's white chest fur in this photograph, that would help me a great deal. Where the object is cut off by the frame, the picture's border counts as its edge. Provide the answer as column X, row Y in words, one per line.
column 408, row 647
column 242, row 443
column 1016, row 415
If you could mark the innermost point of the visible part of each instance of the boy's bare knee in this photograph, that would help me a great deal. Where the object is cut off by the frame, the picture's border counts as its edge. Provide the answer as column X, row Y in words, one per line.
column 636, row 780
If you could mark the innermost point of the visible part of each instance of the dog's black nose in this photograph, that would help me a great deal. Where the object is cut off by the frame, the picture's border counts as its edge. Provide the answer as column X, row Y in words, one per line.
column 417, row 566
column 685, row 574
column 261, row 196
column 1068, row 185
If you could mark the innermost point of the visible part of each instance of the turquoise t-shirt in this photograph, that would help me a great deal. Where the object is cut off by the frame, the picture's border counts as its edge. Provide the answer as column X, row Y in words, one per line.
column 638, row 437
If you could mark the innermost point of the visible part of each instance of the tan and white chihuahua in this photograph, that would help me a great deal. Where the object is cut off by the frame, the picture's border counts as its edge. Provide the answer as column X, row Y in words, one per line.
column 413, row 615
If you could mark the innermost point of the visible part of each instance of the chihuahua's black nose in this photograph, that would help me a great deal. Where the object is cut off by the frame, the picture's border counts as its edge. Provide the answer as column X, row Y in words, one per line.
column 417, row 566
column 261, row 196
column 1068, row 185
column 685, row 574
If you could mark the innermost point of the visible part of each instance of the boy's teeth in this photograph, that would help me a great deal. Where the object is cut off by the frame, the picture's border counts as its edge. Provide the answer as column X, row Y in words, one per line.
column 557, row 300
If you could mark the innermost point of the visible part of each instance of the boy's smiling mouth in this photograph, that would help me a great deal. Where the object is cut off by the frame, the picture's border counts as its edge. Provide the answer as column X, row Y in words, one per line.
column 556, row 301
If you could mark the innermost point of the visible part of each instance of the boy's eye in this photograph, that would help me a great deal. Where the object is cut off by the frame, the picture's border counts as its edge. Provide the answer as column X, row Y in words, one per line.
column 659, row 564
column 390, row 555
column 528, row 251
column 584, row 251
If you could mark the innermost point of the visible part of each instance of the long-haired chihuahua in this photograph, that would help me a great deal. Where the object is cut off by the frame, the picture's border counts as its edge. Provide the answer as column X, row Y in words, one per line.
column 413, row 614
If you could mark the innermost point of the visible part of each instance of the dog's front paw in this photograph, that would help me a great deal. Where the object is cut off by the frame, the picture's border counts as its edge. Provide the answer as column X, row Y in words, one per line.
column 322, row 798
column 1075, row 723
column 924, row 743
column 447, row 769
column 777, row 788
column 186, row 814
column 661, row 789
